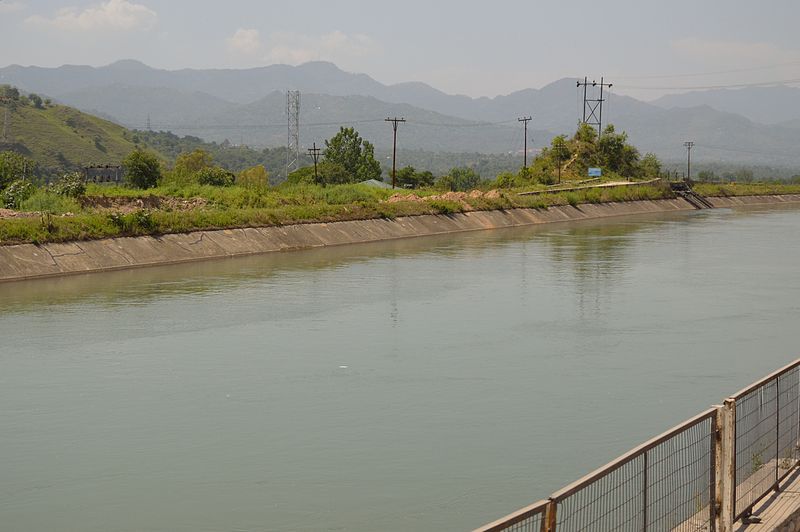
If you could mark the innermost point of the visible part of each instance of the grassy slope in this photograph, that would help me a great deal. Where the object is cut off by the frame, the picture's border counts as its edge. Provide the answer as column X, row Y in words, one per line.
column 63, row 137
column 237, row 207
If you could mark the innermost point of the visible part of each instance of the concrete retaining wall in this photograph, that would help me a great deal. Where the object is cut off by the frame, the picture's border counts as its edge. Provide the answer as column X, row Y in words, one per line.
column 28, row 261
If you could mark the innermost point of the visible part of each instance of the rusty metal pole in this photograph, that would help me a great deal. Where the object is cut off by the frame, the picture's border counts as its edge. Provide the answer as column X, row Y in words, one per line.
column 550, row 514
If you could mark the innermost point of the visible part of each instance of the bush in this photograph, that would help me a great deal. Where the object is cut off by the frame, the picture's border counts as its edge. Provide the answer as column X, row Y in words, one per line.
column 215, row 176
column 140, row 221
column 17, row 192
column 71, row 185
column 255, row 177
column 142, row 169
column 460, row 179
column 14, row 166
column 48, row 202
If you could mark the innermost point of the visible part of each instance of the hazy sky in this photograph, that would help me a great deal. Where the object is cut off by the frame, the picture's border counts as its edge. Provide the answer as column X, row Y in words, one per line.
column 474, row 48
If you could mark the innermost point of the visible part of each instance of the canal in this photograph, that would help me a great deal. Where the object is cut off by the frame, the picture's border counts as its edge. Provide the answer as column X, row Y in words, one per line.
column 424, row 384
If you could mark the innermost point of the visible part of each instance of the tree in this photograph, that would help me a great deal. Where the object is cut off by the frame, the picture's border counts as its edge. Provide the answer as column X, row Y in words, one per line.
column 142, row 169
column 585, row 133
column 187, row 164
column 14, row 166
column 331, row 173
column 615, row 154
column 650, row 166
column 253, row 177
column 36, row 100
column 460, row 179
column 408, row 177
column 707, row 175
column 301, row 176
column 215, row 176
column 355, row 155
column 8, row 91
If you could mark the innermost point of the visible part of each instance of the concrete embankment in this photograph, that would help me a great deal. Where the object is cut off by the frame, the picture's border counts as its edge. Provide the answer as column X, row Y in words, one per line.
column 28, row 261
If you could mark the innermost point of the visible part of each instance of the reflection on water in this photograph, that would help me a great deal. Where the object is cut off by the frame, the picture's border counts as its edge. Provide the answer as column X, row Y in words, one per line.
column 422, row 384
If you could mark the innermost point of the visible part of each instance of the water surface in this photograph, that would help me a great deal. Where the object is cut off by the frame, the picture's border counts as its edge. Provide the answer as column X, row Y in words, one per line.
column 426, row 384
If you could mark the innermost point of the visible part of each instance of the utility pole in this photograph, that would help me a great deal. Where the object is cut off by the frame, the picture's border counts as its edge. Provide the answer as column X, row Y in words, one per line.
column 559, row 147
column 394, row 122
column 593, row 108
column 7, row 102
column 314, row 152
column 525, row 120
column 689, row 145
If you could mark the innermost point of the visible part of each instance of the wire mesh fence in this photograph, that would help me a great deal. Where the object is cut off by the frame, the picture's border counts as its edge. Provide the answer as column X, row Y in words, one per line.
column 766, row 437
column 665, row 484
column 681, row 480
column 674, row 481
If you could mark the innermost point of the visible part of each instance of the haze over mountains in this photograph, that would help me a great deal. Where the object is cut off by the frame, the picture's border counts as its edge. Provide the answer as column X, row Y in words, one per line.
column 751, row 125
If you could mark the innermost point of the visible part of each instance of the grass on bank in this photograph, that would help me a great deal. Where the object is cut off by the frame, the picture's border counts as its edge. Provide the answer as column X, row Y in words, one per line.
column 236, row 207
column 745, row 189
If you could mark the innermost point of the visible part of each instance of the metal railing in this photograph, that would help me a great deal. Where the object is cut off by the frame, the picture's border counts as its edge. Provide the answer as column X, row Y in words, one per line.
column 703, row 474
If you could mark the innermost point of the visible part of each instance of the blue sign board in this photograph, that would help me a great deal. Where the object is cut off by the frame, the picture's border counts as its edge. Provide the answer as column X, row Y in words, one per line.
column 595, row 172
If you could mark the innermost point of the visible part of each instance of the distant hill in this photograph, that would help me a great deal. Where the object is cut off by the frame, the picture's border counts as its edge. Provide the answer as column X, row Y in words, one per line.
column 767, row 105
column 59, row 137
column 131, row 106
column 248, row 106
column 264, row 123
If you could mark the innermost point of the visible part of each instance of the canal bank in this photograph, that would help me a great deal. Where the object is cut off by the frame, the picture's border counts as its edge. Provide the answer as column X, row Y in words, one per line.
column 30, row 261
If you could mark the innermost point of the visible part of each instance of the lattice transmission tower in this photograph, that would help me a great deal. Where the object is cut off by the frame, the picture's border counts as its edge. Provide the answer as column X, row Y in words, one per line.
column 593, row 107
column 293, row 142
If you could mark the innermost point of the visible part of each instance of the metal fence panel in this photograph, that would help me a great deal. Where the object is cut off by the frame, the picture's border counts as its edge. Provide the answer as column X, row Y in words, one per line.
column 788, row 421
column 681, row 480
column 612, row 502
column 756, row 445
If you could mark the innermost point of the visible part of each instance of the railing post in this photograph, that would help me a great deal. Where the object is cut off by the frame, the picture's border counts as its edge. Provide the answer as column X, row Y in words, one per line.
column 549, row 521
column 777, row 433
column 725, row 466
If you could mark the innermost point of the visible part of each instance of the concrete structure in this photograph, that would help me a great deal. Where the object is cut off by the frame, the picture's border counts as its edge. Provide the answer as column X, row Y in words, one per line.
column 28, row 261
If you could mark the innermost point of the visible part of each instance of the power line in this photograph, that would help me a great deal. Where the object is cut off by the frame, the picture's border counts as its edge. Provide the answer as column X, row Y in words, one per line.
column 321, row 124
column 726, row 86
column 714, row 73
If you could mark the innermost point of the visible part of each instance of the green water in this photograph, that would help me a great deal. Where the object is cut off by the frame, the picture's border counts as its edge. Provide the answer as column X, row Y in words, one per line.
column 426, row 384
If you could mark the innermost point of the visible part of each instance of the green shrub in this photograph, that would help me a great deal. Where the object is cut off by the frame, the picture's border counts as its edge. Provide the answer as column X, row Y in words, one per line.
column 142, row 169
column 71, row 185
column 17, row 192
column 137, row 222
column 215, row 176
column 49, row 202
column 572, row 199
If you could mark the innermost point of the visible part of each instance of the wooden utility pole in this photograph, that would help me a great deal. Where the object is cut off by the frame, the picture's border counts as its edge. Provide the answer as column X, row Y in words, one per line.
column 525, row 120
column 394, row 122
column 7, row 103
column 559, row 147
column 314, row 152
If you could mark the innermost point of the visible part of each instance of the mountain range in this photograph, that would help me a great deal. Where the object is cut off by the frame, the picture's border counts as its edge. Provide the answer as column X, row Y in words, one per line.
column 742, row 126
